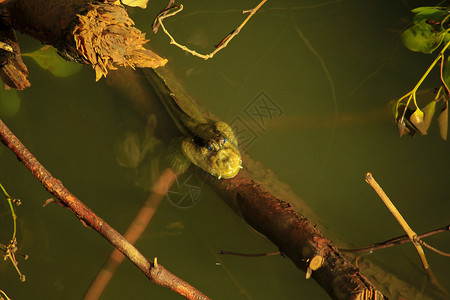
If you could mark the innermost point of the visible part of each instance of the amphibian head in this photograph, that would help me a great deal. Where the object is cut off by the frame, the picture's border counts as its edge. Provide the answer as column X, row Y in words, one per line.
column 214, row 149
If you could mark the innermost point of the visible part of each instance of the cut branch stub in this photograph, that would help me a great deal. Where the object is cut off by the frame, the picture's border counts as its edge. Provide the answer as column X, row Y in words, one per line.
column 91, row 32
column 105, row 37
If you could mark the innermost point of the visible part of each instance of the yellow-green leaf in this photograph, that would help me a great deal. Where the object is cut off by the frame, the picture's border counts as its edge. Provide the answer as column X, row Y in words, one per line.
column 133, row 3
column 429, row 112
column 417, row 120
column 443, row 122
column 48, row 59
column 421, row 38
column 394, row 107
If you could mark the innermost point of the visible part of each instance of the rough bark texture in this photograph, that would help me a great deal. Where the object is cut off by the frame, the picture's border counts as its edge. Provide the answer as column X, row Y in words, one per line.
column 294, row 235
column 98, row 33
column 13, row 71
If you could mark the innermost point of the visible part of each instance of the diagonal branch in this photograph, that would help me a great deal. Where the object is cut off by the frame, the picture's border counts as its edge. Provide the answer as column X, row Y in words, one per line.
column 155, row 272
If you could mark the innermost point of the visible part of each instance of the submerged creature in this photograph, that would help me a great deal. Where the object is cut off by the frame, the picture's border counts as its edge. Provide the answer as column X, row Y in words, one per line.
column 208, row 144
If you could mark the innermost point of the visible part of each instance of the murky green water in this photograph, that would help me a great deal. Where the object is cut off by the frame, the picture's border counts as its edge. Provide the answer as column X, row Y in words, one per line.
column 311, row 61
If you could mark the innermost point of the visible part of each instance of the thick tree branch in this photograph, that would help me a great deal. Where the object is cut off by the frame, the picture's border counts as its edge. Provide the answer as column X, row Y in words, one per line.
column 98, row 33
column 294, row 235
column 155, row 272
column 250, row 198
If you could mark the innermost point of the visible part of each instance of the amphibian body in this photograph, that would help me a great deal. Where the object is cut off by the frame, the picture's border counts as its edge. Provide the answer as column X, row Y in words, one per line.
column 208, row 144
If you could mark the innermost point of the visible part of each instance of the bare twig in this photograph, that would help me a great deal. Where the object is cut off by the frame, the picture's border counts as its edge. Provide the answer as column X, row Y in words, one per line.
column 155, row 25
column 411, row 234
column 156, row 273
column 222, row 44
column 397, row 241
column 434, row 249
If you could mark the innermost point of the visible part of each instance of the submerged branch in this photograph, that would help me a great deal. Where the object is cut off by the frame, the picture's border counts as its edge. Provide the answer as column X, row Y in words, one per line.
column 263, row 209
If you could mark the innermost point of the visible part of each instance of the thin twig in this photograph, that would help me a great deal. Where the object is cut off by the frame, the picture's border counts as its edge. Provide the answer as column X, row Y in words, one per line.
column 177, row 8
column 395, row 241
column 156, row 273
column 155, row 25
column 411, row 234
column 2, row 293
column 434, row 249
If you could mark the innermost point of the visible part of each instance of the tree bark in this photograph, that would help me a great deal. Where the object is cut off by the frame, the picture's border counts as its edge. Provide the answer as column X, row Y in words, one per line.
column 270, row 215
column 98, row 33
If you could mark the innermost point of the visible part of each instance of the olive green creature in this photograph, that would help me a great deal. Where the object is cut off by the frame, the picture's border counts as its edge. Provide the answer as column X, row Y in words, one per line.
column 208, row 144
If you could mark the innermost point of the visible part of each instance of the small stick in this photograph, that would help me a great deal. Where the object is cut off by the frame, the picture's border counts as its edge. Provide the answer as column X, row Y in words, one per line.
column 155, row 25
column 222, row 44
column 400, row 240
column 411, row 234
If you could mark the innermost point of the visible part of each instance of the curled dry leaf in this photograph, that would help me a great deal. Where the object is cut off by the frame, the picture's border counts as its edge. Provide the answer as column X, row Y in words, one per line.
column 402, row 128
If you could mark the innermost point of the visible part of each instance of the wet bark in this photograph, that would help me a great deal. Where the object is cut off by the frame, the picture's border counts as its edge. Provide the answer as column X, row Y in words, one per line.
column 265, row 209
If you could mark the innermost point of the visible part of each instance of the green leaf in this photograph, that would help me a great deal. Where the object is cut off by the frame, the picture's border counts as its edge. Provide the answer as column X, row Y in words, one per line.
column 435, row 13
column 443, row 122
column 48, row 59
column 429, row 112
column 394, row 108
column 417, row 120
column 445, row 37
column 421, row 38
column 9, row 103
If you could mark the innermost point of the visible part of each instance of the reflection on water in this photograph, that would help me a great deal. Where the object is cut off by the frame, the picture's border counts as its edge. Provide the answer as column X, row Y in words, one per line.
column 326, row 64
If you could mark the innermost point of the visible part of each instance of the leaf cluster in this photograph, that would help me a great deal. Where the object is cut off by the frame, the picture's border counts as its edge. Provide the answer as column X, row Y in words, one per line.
column 429, row 32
